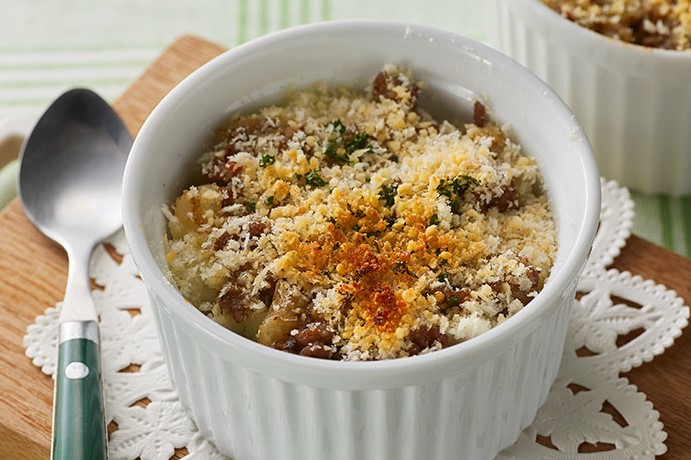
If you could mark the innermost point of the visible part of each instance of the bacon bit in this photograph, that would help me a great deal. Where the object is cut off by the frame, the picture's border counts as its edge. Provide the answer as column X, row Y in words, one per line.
column 221, row 241
column 222, row 172
column 454, row 297
column 232, row 169
column 257, row 228
column 314, row 334
column 425, row 337
column 497, row 286
column 290, row 345
column 227, row 196
column 498, row 138
column 214, row 167
column 379, row 85
column 313, row 341
column 381, row 89
column 248, row 125
column 287, row 133
column 317, row 351
column 479, row 114
column 414, row 93
column 506, row 200
column 234, row 301
column 533, row 274
column 266, row 295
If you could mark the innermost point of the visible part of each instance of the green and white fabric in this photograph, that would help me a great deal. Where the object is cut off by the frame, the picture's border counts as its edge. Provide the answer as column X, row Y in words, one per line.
column 48, row 47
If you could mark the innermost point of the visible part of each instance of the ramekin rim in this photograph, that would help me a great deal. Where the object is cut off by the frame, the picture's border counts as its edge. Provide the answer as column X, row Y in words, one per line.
column 383, row 370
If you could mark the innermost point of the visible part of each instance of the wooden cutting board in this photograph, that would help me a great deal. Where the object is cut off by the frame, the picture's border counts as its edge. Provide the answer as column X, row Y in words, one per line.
column 33, row 273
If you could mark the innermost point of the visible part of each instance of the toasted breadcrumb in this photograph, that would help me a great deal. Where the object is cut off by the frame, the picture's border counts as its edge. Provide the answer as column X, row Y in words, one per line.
column 351, row 225
column 662, row 24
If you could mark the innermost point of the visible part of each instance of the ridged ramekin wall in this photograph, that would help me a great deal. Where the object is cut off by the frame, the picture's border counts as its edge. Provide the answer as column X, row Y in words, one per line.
column 465, row 402
column 633, row 102
column 470, row 415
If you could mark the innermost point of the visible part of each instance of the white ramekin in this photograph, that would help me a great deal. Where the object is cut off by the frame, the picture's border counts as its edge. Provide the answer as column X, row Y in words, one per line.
column 468, row 401
column 633, row 102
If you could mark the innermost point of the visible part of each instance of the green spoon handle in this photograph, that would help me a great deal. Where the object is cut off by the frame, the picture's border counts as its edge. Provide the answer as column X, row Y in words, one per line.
column 79, row 431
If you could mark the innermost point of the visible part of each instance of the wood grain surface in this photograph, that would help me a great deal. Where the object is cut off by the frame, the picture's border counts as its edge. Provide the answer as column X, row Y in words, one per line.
column 33, row 273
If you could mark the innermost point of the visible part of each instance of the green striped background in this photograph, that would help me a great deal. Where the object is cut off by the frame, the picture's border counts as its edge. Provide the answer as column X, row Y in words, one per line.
column 104, row 45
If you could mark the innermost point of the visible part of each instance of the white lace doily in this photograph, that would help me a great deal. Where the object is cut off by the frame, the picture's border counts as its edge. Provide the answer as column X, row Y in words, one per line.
column 589, row 403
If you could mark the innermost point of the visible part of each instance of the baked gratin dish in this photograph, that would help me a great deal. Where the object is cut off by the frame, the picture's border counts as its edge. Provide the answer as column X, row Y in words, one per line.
column 351, row 225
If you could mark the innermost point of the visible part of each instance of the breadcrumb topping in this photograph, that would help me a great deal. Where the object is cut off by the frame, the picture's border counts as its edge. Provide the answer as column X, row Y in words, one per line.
column 653, row 23
column 351, row 225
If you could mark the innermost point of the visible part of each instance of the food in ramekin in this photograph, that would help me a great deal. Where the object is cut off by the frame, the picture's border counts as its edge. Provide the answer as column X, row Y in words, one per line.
column 351, row 225
column 633, row 101
column 662, row 24
column 472, row 399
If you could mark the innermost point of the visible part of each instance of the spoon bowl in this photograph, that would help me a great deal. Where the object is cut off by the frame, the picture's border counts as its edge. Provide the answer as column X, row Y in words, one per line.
column 72, row 168
column 70, row 182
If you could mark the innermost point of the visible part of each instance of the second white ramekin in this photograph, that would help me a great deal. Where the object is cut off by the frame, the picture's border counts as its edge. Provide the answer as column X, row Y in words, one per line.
column 633, row 102
column 468, row 401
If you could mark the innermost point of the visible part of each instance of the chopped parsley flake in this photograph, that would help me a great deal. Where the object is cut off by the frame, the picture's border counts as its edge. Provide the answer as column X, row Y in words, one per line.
column 456, row 186
column 338, row 126
column 357, row 143
column 338, row 150
column 270, row 200
column 314, row 179
column 387, row 193
column 266, row 160
column 434, row 220
column 332, row 154
column 250, row 205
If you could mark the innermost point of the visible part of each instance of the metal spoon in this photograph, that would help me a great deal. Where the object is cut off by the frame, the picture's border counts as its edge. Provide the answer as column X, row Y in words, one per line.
column 70, row 179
